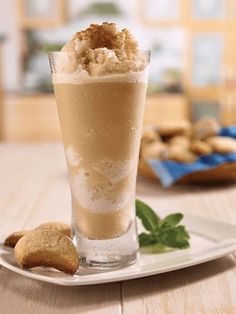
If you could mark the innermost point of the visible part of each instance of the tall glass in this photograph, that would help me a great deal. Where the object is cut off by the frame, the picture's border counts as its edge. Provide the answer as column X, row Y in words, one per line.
column 101, row 121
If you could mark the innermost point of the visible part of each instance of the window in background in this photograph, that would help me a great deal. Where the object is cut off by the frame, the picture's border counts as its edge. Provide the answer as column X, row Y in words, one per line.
column 209, row 9
column 207, row 59
column 42, row 14
column 161, row 9
column 40, row 9
column 231, row 11
column 36, row 73
column 167, row 59
column 204, row 108
column 228, row 95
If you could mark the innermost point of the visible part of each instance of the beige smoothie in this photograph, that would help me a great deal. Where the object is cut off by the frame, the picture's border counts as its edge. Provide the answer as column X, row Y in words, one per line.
column 100, row 88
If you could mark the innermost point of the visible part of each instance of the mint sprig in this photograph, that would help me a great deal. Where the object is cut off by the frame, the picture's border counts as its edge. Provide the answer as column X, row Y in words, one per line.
column 149, row 218
column 164, row 233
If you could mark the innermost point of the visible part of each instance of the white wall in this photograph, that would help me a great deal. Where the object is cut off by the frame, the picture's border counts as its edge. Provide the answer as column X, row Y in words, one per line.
column 10, row 47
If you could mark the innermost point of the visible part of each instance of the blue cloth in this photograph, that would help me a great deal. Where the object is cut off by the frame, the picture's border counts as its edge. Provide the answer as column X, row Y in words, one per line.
column 170, row 171
column 229, row 131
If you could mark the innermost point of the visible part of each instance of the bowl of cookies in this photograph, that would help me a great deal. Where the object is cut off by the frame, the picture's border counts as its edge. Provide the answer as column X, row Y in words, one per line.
column 181, row 152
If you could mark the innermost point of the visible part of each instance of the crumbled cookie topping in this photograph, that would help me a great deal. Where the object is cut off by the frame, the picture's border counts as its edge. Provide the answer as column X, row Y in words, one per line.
column 102, row 49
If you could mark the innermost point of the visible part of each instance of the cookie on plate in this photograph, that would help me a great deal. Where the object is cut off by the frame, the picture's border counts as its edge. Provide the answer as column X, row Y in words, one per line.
column 57, row 226
column 14, row 237
column 50, row 248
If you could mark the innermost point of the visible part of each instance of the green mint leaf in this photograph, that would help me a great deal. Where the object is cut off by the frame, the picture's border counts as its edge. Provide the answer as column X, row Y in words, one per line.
column 146, row 239
column 160, row 248
column 156, row 248
column 171, row 220
column 164, row 235
column 175, row 237
column 148, row 217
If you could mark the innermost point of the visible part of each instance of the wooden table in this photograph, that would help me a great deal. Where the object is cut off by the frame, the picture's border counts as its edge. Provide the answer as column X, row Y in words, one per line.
column 34, row 190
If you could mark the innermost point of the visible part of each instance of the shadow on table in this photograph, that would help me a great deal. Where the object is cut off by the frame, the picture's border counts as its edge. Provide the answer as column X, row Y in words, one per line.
column 38, row 297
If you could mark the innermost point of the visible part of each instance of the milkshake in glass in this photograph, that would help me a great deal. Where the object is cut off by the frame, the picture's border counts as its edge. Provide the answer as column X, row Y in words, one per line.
column 100, row 80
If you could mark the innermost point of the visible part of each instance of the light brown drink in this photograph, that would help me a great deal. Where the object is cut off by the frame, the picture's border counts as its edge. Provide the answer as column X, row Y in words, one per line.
column 100, row 79
column 101, row 125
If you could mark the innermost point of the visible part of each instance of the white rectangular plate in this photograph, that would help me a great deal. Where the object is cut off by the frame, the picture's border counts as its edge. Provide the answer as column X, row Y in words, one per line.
column 210, row 240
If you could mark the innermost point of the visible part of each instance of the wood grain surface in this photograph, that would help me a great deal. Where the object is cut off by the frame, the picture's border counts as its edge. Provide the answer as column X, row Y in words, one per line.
column 34, row 189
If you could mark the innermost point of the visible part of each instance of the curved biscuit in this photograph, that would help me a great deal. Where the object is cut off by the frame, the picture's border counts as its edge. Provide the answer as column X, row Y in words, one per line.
column 150, row 135
column 169, row 129
column 14, row 237
column 56, row 226
column 181, row 140
column 205, row 127
column 43, row 247
column 222, row 144
column 154, row 150
column 179, row 154
column 200, row 148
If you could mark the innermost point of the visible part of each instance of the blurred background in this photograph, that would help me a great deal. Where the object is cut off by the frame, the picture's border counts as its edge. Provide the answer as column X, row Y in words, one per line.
column 193, row 67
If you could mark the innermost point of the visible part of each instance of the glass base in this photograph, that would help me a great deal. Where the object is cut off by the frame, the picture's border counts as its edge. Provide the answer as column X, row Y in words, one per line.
column 108, row 254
